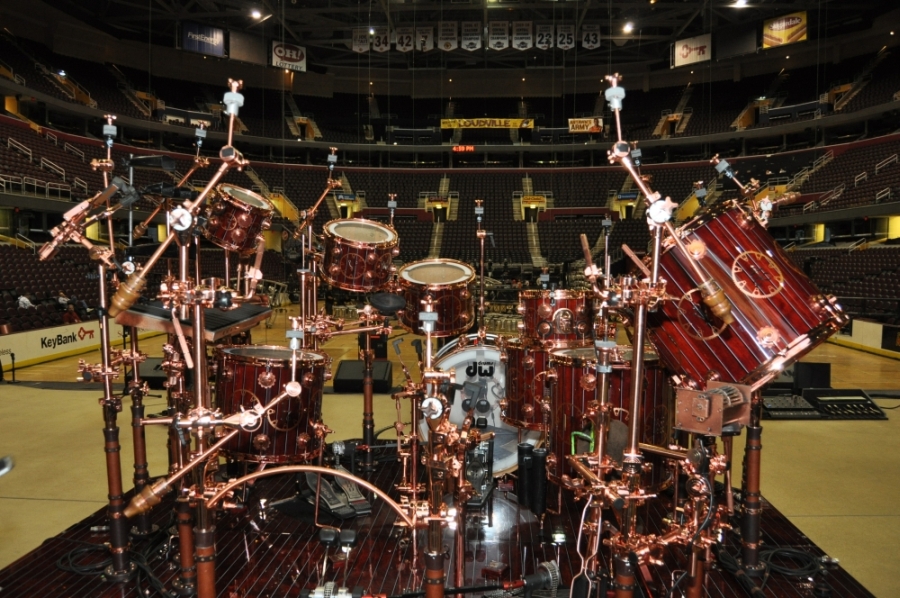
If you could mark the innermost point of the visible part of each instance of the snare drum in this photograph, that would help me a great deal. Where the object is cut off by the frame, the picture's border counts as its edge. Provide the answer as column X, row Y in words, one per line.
column 575, row 385
column 779, row 313
column 527, row 404
column 358, row 254
column 556, row 318
column 235, row 217
column 288, row 432
column 480, row 370
column 449, row 283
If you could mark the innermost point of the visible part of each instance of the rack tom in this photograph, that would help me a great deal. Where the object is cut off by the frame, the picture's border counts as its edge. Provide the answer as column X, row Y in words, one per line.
column 235, row 217
column 290, row 432
column 358, row 254
column 557, row 318
column 449, row 284
column 527, row 404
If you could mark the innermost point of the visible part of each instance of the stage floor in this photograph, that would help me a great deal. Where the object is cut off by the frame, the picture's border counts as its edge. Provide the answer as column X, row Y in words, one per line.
column 273, row 550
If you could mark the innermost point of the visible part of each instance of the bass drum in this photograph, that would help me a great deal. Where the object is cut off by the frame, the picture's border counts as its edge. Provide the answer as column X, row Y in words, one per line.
column 289, row 432
column 479, row 368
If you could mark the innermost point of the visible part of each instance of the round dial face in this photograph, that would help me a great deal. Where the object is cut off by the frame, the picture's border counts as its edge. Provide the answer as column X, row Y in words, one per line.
column 696, row 318
column 757, row 275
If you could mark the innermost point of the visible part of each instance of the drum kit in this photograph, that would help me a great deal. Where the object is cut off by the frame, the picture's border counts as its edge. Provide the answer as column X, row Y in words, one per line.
column 715, row 312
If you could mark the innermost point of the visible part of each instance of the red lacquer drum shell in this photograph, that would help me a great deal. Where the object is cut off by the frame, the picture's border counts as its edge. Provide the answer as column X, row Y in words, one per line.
column 287, row 433
column 358, row 254
column 557, row 318
column 527, row 404
column 779, row 313
column 449, row 284
column 235, row 217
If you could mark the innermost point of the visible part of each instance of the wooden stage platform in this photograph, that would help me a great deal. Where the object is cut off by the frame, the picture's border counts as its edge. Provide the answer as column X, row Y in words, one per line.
column 274, row 551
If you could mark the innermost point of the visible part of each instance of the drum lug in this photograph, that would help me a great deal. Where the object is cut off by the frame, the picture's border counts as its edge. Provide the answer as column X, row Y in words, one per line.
column 520, row 308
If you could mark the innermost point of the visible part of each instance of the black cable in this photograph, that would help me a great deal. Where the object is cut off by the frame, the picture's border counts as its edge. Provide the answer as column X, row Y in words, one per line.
column 809, row 564
column 730, row 564
column 461, row 590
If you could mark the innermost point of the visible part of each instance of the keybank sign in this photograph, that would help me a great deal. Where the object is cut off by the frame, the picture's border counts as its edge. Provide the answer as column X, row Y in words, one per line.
column 203, row 39
column 52, row 342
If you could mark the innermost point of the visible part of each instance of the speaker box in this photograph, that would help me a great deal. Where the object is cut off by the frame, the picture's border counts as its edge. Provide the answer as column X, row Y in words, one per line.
column 349, row 377
column 152, row 372
column 811, row 375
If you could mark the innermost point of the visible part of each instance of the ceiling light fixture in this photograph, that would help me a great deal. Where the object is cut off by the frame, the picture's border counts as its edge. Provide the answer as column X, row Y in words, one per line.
column 740, row 3
column 629, row 27
column 255, row 13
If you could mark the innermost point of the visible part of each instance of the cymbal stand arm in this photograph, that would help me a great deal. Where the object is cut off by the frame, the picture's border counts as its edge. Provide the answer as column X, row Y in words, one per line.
column 307, row 216
column 106, row 168
column 480, row 233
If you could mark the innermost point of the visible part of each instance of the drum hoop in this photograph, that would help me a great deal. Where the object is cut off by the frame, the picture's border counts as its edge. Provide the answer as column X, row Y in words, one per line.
column 436, row 286
column 560, row 358
column 330, row 234
column 265, row 204
column 458, row 350
column 316, row 359
column 556, row 294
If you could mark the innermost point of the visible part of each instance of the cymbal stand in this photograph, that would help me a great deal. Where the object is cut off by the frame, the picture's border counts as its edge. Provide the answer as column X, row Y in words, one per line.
column 408, row 444
column 392, row 205
column 138, row 389
column 480, row 233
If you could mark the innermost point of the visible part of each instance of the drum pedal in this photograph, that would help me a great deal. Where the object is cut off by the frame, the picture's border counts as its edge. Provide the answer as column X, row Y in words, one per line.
column 356, row 499
column 334, row 502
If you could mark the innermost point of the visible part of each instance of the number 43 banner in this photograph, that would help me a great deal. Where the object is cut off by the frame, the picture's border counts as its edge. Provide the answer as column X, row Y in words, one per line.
column 590, row 36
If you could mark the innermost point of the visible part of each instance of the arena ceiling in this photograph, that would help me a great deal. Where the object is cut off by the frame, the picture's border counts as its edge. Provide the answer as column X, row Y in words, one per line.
column 325, row 27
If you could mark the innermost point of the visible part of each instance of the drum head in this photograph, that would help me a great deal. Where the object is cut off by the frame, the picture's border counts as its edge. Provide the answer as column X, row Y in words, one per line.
column 436, row 273
column 246, row 196
column 361, row 231
column 270, row 354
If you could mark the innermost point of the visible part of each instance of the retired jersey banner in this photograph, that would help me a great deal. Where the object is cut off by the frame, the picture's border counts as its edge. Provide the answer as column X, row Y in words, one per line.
column 543, row 39
column 565, row 37
column 361, row 40
column 585, row 125
column 691, row 50
column 784, row 30
column 381, row 41
column 405, row 39
column 487, row 123
column 498, row 35
column 447, row 39
column 471, row 35
column 590, row 36
column 522, row 39
column 424, row 39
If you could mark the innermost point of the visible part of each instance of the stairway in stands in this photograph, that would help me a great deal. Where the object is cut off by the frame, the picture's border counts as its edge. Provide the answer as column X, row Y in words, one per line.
column 437, row 237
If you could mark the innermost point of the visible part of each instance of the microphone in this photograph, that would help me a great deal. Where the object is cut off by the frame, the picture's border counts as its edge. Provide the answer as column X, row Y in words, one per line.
column 491, row 237
column 590, row 271
column 159, row 162
column 168, row 190
column 129, row 194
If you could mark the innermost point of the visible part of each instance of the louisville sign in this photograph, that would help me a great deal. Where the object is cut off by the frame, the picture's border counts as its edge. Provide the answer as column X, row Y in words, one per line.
column 487, row 123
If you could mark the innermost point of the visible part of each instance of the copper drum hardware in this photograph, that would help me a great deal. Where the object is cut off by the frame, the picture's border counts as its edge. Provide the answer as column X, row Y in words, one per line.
column 289, row 433
column 358, row 254
column 235, row 217
column 556, row 318
column 527, row 404
column 479, row 369
column 449, row 283
column 779, row 313
column 575, row 385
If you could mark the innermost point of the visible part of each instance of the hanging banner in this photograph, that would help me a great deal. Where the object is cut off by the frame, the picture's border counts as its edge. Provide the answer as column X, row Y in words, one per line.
column 691, row 50
column 381, row 41
column 288, row 56
column 543, row 36
column 361, row 40
column 424, row 39
column 590, row 36
column 404, row 39
column 565, row 37
column 585, row 125
column 471, row 35
column 521, row 35
column 447, row 39
column 487, row 123
column 784, row 30
column 498, row 35
column 203, row 39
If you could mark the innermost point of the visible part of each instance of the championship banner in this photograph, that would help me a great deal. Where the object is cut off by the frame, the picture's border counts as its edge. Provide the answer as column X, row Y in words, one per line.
column 585, row 125
column 590, row 36
column 447, row 40
column 498, row 35
column 361, row 40
column 487, row 123
column 381, row 41
column 522, row 39
column 424, row 39
column 203, row 39
column 404, row 39
column 565, row 37
column 471, row 35
column 784, row 30
column 544, row 36
column 289, row 56
column 691, row 50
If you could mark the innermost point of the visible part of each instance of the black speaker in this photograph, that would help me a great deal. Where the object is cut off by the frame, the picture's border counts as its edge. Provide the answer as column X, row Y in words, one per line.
column 378, row 342
column 811, row 375
column 152, row 372
column 349, row 377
